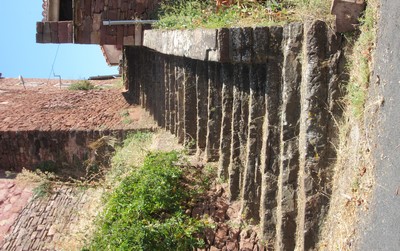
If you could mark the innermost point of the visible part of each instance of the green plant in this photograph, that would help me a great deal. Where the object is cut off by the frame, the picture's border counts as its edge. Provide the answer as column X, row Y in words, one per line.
column 146, row 211
column 83, row 85
column 126, row 119
column 43, row 189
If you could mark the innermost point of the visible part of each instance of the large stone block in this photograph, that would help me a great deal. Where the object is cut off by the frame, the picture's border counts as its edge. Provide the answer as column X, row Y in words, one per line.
column 226, row 123
column 290, row 125
column 260, row 45
column 202, row 105
column 270, row 152
column 347, row 13
column 65, row 32
column 46, row 33
column 195, row 44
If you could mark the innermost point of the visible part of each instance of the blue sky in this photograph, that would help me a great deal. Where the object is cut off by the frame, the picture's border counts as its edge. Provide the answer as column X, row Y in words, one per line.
column 21, row 55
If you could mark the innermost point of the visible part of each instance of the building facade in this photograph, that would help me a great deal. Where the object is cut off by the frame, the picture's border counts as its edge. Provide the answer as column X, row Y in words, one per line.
column 81, row 21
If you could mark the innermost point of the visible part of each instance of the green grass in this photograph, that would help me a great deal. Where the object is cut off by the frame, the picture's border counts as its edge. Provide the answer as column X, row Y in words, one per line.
column 180, row 14
column 146, row 211
column 361, row 61
column 83, row 85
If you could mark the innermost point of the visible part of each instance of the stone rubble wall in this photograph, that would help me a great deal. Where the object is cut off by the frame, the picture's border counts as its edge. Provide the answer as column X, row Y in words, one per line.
column 263, row 109
column 50, row 223
column 67, row 152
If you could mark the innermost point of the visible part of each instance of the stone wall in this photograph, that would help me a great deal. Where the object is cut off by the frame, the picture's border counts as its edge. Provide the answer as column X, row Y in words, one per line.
column 65, row 152
column 89, row 15
column 263, row 108
column 54, row 32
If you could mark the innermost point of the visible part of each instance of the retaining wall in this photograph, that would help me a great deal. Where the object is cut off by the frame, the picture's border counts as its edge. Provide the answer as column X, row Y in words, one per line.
column 65, row 152
column 259, row 101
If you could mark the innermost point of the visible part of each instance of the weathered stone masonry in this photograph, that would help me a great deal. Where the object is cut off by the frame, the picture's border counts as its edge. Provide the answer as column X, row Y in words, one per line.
column 65, row 151
column 259, row 101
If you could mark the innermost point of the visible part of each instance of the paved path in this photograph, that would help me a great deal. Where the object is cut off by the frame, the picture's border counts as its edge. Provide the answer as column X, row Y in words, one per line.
column 381, row 231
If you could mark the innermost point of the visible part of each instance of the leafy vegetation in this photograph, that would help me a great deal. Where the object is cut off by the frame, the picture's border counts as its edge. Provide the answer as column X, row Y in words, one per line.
column 83, row 85
column 181, row 14
column 145, row 212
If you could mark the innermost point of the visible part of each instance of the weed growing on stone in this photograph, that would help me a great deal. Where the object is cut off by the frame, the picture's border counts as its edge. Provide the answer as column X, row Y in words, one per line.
column 42, row 190
column 43, row 180
column 146, row 211
column 126, row 119
column 83, row 85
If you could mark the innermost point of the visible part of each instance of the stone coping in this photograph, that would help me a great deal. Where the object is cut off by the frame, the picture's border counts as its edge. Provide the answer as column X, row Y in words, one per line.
column 226, row 45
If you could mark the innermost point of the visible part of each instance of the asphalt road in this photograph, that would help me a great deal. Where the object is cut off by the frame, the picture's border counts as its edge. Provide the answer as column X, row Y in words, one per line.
column 381, row 228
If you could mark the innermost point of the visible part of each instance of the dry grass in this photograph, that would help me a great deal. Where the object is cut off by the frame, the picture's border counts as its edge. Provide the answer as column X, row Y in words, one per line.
column 312, row 9
column 352, row 182
column 78, row 232
column 354, row 172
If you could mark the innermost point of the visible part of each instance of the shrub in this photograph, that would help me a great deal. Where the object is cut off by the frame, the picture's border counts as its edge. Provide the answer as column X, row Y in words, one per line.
column 145, row 212
column 83, row 85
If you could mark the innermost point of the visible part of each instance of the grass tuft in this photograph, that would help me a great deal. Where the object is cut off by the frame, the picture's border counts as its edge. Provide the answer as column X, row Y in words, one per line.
column 42, row 190
column 83, row 85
